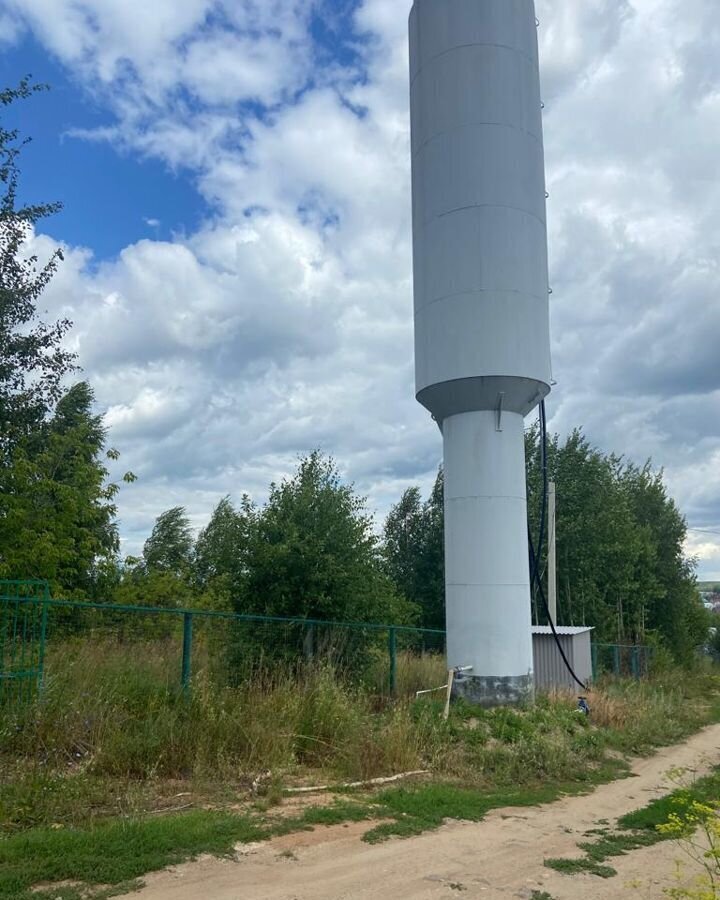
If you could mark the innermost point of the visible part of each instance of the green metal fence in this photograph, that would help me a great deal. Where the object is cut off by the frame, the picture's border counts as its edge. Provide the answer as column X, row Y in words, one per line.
column 38, row 632
column 23, row 627
column 229, row 646
column 628, row 660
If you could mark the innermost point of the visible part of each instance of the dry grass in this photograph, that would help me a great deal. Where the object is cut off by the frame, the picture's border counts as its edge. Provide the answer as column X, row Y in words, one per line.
column 118, row 710
column 608, row 711
column 113, row 731
column 636, row 716
column 420, row 672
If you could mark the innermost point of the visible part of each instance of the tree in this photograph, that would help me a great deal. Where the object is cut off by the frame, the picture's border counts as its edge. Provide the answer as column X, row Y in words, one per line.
column 620, row 541
column 33, row 361
column 620, row 538
column 414, row 551
column 313, row 553
column 57, row 514
column 160, row 588
column 170, row 545
column 221, row 549
column 56, row 509
column 403, row 535
column 674, row 608
column 597, row 536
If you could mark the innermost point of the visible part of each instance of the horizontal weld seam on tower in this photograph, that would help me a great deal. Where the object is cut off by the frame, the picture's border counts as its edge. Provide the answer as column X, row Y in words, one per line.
column 432, row 59
column 486, row 496
column 531, row 134
column 520, row 584
column 457, row 294
column 518, row 209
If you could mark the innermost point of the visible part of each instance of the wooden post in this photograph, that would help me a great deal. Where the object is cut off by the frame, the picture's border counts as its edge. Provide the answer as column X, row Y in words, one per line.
column 552, row 567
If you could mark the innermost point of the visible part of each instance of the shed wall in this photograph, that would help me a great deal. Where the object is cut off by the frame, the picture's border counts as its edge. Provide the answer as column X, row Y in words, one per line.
column 582, row 657
column 550, row 671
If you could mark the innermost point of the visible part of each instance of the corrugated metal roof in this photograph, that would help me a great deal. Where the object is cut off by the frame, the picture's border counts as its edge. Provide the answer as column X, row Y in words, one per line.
column 561, row 629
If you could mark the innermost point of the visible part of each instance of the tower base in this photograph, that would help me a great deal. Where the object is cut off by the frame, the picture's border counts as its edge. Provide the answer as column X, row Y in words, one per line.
column 488, row 691
column 487, row 574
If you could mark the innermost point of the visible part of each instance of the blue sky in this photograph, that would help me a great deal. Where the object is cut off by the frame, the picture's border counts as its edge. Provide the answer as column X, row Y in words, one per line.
column 237, row 236
column 147, row 198
column 108, row 196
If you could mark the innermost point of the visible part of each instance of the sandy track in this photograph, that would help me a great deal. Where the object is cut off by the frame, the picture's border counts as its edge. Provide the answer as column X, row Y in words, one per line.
column 501, row 856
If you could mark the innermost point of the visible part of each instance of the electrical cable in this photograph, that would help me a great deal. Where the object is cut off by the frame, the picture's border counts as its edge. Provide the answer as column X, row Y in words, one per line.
column 535, row 576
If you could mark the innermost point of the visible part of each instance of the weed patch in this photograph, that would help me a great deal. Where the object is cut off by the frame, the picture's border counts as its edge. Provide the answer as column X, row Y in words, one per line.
column 115, row 852
column 426, row 807
column 638, row 829
column 577, row 866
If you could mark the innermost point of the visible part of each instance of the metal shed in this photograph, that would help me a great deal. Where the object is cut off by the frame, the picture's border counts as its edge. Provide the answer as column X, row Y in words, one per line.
column 550, row 670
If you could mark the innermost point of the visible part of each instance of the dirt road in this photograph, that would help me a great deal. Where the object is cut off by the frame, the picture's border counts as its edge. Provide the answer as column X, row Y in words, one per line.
column 501, row 856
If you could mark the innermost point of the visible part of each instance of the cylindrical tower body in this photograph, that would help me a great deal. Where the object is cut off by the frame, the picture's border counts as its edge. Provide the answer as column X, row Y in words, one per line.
column 482, row 343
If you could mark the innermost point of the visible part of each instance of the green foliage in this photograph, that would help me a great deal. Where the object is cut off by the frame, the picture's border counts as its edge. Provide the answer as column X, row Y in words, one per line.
column 674, row 610
column 312, row 552
column 664, row 709
column 580, row 866
column 695, row 825
column 169, row 548
column 140, row 587
column 621, row 564
column 114, row 708
column 658, row 812
column 56, row 509
column 115, row 851
column 57, row 519
column 597, row 541
column 414, row 552
column 340, row 812
column 113, row 736
column 221, row 549
column 33, row 361
column 426, row 807
column 164, row 577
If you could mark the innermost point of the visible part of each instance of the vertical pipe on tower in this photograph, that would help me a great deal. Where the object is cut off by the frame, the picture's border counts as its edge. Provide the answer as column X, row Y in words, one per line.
column 482, row 343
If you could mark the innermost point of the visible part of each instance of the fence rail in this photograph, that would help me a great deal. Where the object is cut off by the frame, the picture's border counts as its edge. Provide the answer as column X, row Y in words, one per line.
column 235, row 642
column 35, row 627
column 621, row 659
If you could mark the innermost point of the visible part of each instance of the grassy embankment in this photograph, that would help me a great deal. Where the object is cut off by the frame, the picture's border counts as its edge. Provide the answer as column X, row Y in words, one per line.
column 116, row 773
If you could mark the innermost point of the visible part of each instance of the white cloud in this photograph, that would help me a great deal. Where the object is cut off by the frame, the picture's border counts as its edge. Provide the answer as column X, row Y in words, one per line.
column 102, row 38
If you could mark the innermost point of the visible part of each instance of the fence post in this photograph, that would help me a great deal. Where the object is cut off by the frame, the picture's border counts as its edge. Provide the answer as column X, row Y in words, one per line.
column 392, row 650
column 309, row 642
column 617, row 659
column 41, row 651
column 593, row 657
column 187, row 650
column 635, row 662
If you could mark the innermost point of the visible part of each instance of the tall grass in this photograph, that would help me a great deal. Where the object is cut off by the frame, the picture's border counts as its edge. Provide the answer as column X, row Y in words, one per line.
column 118, row 710
column 113, row 730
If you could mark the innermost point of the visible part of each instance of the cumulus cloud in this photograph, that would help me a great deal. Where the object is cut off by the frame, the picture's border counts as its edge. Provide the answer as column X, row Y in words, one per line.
column 285, row 322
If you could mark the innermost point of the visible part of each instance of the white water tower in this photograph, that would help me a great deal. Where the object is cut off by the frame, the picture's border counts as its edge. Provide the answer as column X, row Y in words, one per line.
column 482, row 337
